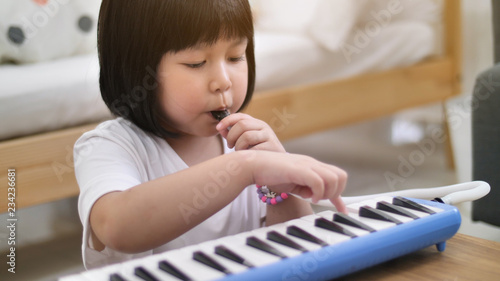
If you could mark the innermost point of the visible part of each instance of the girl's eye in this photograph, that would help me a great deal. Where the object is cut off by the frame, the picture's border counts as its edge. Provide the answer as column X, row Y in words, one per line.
column 195, row 65
column 237, row 59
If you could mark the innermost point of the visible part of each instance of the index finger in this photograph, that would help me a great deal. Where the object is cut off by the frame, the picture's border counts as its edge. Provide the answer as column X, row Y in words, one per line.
column 230, row 120
column 339, row 204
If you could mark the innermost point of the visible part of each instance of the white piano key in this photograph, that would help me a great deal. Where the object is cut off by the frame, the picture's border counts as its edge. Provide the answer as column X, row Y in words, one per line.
column 306, row 218
column 418, row 213
column 326, row 214
column 375, row 224
column 401, row 218
column 354, row 208
column 387, row 199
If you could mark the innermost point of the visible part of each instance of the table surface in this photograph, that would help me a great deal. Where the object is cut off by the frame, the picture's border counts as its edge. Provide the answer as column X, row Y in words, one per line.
column 465, row 258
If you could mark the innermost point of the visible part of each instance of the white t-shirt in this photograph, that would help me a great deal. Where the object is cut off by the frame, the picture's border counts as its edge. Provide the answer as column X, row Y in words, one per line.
column 118, row 155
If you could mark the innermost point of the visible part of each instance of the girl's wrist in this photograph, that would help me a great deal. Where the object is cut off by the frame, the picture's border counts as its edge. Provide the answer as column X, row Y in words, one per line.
column 270, row 197
column 247, row 162
column 253, row 160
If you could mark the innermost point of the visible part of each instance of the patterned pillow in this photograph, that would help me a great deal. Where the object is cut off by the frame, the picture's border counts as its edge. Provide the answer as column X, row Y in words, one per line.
column 41, row 30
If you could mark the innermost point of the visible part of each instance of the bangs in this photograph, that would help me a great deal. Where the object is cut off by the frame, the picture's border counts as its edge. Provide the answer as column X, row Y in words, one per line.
column 205, row 22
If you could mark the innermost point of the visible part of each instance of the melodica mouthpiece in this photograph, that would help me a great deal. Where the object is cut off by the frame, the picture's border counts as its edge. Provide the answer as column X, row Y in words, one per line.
column 220, row 114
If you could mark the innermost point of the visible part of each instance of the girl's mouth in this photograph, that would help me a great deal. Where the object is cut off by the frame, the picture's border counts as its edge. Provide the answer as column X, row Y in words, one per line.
column 220, row 114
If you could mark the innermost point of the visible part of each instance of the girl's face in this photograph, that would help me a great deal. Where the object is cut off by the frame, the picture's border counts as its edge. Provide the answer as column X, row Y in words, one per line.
column 196, row 81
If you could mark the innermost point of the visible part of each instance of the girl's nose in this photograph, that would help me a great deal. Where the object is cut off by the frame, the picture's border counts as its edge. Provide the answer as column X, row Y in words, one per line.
column 220, row 81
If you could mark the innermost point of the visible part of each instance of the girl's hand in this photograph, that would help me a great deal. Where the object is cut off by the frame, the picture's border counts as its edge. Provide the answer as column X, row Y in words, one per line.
column 248, row 133
column 300, row 175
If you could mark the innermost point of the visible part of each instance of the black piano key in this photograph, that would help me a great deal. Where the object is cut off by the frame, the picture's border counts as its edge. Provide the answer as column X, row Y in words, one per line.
column 403, row 202
column 345, row 219
column 283, row 240
column 225, row 252
column 144, row 274
column 263, row 246
column 332, row 226
column 388, row 207
column 207, row 260
column 173, row 270
column 116, row 277
column 300, row 233
column 372, row 213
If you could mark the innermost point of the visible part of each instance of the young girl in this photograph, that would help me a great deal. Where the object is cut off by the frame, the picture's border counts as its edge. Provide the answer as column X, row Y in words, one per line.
column 166, row 173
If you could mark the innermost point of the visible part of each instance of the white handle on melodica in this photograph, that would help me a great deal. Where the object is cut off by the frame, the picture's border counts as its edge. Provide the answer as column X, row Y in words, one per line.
column 450, row 194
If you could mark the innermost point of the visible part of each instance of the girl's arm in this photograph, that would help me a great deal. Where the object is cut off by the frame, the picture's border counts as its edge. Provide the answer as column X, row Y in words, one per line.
column 156, row 212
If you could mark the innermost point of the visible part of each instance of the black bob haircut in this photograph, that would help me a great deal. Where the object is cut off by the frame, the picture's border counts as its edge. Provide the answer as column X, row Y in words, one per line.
column 133, row 36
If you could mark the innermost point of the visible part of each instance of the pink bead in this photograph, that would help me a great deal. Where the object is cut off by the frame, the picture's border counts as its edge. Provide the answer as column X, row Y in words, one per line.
column 258, row 186
column 284, row 195
column 264, row 199
column 273, row 201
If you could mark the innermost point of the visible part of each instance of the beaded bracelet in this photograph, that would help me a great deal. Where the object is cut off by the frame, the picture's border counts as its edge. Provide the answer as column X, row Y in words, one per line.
column 268, row 196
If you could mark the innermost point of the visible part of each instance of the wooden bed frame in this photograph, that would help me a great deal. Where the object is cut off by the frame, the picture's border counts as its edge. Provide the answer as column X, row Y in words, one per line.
column 44, row 163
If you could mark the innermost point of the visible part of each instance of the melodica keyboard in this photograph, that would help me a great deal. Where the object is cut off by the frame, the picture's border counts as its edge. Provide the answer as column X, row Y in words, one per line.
column 322, row 246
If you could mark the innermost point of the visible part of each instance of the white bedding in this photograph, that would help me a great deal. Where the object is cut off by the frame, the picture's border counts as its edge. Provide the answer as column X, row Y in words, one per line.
column 57, row 94
column 48, row 96
column 285, row 59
